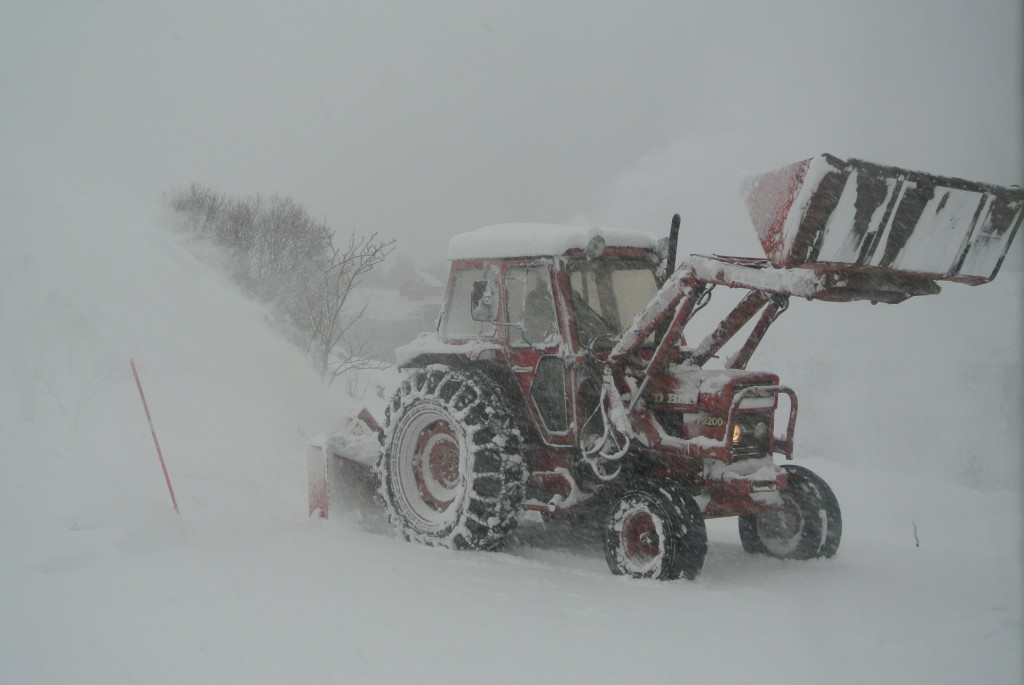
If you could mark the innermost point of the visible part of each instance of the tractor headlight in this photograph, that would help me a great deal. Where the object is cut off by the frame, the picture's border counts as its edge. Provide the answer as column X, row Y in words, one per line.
column 595, row 248
column 750, row 436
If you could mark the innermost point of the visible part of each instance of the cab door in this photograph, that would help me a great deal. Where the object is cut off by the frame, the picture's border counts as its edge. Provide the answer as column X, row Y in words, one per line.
column 535, row 345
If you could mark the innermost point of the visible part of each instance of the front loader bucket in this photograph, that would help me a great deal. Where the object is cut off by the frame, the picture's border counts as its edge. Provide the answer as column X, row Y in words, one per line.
column 827, row 213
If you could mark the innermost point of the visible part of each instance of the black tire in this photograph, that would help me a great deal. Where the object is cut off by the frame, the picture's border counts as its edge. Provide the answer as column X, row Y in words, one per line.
column 809, row 525
column 451, row 471
column 655, row 529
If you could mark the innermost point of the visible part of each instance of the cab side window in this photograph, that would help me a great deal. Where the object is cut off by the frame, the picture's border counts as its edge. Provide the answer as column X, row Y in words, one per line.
column 530, row 304
column 459, row 323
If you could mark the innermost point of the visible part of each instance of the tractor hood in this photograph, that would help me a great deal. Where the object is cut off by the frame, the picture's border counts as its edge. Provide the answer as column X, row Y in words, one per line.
column 711, row 389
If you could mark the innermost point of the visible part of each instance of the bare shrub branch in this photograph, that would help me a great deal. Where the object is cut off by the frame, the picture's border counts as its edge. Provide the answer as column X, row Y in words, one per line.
column 281, row 256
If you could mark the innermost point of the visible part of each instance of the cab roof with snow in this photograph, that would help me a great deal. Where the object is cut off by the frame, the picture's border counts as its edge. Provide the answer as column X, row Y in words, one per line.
column 540, row 240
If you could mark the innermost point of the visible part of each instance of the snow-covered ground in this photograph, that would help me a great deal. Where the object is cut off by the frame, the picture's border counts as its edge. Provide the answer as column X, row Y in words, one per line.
column 101, row 582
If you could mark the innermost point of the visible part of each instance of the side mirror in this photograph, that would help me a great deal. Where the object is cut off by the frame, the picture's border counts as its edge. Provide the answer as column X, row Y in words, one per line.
column 483, row 303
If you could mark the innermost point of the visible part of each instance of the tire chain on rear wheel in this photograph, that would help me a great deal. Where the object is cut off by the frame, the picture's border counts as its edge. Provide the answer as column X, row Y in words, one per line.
column 812, row 496
column 496, row 478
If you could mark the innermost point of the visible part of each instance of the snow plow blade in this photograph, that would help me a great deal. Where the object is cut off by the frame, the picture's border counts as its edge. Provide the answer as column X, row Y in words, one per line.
column 826, row 213
column 357, row 443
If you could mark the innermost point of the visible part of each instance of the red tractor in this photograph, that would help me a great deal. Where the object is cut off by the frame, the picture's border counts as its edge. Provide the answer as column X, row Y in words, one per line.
column 561, row 378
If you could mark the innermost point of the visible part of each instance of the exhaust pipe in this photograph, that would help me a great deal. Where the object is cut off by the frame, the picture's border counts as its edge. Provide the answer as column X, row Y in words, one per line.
column 673, row 241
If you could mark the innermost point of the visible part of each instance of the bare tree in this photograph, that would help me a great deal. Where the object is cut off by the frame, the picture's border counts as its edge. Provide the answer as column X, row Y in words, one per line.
column 280, row 255
column 200, row 206
column 326, row 317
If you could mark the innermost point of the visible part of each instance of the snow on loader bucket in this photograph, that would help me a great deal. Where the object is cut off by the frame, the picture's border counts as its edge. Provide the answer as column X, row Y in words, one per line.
column 826, row 213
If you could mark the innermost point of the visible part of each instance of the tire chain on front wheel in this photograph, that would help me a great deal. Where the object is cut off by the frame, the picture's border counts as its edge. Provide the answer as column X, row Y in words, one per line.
column 496, row 482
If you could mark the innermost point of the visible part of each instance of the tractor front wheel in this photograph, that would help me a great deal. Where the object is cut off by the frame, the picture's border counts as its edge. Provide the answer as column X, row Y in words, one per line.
column 655, row 529
column 808, row 525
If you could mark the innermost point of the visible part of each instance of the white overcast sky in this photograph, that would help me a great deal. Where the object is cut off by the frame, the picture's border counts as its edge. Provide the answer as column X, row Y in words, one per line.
column 420, row 120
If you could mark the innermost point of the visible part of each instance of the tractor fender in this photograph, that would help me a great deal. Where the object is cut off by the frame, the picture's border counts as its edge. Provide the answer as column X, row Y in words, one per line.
column 496, row 370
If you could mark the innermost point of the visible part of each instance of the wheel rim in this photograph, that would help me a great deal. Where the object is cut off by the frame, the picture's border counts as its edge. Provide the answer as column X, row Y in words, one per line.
column 641, row 541
column 780, row 530
column 429, row 477
column 436, row 465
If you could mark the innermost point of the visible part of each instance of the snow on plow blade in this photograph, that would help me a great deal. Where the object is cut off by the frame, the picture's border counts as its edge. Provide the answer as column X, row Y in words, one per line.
column 357, row 442
column 825, row 212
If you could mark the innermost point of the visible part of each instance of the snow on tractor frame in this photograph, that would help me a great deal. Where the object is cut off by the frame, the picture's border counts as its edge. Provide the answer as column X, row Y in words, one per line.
column 561, row 379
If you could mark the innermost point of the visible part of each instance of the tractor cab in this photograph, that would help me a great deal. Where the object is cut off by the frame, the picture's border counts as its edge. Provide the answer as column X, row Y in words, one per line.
column 579, row 298
column 548, row 317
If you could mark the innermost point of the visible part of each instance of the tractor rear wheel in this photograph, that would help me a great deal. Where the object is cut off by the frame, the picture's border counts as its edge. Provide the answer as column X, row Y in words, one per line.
column 808, row 525
column 655, row 529
column 452, row 473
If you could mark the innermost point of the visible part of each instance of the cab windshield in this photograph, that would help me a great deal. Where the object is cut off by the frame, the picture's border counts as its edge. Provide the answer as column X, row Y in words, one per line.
column 607, row 294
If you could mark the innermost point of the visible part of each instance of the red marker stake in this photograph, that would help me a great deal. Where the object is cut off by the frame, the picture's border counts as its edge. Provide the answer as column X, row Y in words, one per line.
column 153, row 432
